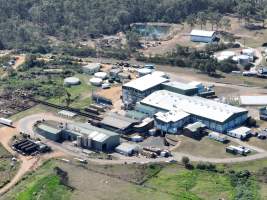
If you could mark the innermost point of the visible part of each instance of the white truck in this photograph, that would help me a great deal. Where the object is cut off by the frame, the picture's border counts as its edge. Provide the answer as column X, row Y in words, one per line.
column 5, row 121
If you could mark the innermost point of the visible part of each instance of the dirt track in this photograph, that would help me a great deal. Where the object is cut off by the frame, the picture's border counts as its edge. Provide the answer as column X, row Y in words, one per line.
column 27, row 163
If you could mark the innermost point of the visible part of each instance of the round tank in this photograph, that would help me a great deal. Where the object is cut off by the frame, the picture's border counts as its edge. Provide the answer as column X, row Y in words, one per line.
column 124, row 75
column 137, row 138
column 101, row 75
column 244, row 60
column 96, row 81
column 160, row 74
column 71, row 81
column 144, row 71
column 235, row 59
column 228, row 54
column 248, row 52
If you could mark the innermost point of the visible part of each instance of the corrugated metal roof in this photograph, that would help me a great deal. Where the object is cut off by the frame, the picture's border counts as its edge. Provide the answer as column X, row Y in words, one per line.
column 95, row 133
column 179, row 85
column 241, row 131
column 198, row 106
column 146, row 82
column 202, row 33
column 171, row 116
column 117, row 121
column 49, row 129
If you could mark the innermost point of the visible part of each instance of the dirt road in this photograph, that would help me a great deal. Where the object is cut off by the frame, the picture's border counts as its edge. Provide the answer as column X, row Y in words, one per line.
column 27, row 163
column 27, row 123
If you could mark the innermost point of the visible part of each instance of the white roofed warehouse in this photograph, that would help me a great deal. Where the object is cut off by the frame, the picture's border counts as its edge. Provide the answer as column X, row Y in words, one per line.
column 216, row 116
column 140, row 88
column 202, row 36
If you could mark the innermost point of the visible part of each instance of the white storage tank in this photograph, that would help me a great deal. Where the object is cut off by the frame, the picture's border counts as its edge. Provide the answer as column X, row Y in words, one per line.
column 244, row 60
column 249, row 52
column 91, row 68
column 228, row 54
column 71, row 81
column 101, row 75
column 137, row 138
column 144, row 71
column 160, row 74
column 96, row 81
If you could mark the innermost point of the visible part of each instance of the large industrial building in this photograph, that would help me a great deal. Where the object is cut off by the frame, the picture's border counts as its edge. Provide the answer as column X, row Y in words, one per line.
column 202, row 36
column 140, row 88
column 177, row 110
column 87, row 136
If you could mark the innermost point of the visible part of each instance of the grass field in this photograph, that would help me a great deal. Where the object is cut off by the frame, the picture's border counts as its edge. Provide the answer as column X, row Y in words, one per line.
column 185, row 184
column 43, row 184
column 7, row 171
column 80, row 94
column 118, row 182
column 45, row 188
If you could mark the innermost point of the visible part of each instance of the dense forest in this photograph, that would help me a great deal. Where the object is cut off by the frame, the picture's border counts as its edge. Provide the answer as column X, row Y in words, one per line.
column 30, row 22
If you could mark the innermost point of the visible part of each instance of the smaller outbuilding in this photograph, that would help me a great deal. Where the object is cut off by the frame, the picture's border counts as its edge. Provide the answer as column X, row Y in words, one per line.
column 194, row 130
column 66, row 113
column 203, row 36
column 118, row 123
column 126, row 149
column 241, row 133
column 218, row 137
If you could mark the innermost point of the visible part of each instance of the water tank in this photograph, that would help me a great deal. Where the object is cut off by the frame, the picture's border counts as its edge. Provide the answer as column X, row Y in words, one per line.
column 96, row 81
column 71, row 81
column 160, row 74
column 144, row 71
column 79, row 141
column 228, row 54
column 137, row 138
column 248, row 52
column 124, row 75
column 101, row 75
column 244, row 60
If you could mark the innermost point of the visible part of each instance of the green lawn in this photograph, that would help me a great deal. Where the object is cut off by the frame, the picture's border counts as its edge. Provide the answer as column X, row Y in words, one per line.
column 45, row 188
column 80, row 94
column 7, row 171
column 194, row 185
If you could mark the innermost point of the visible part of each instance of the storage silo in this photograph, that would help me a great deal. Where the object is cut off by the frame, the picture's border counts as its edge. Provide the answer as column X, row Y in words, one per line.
column 144, row 71
column 244, row 60
column 101, row 75
column 96, row 81
column 249, row 52
column 71, row 81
